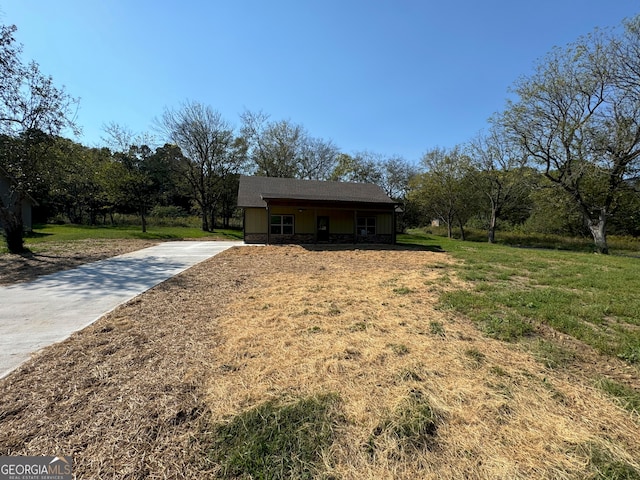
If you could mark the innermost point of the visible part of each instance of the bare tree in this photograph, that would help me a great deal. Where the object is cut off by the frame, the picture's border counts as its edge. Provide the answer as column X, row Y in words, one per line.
column 318, row 159
column 119, row 138
column 211, row 150
column 395, row 174
column 500, row 174
column 275, row 147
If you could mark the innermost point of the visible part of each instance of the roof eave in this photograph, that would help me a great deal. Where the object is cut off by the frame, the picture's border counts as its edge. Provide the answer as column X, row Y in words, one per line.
column 326, row 200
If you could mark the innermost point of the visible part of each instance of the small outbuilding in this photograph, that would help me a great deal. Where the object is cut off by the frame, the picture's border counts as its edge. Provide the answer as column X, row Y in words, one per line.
column 287, row 210
column 7, row 199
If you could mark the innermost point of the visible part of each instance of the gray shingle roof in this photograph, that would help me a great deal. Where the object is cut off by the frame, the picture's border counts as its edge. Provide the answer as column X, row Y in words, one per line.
column 253, row 191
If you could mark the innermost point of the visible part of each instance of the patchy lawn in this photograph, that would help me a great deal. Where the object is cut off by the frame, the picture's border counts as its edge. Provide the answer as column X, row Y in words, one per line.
column 349, row 337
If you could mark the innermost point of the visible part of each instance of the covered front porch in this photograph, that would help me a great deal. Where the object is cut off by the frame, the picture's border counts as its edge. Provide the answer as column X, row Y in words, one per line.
column 309, row 222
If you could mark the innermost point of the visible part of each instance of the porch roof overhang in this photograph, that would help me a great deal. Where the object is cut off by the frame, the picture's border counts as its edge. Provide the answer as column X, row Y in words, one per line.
column 324, row 203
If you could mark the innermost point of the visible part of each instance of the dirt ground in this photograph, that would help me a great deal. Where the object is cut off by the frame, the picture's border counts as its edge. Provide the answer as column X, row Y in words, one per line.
column 53, row 257
column 133, row 395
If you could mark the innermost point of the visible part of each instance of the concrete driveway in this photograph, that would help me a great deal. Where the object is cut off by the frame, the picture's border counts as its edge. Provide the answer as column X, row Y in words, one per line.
column 49, row 309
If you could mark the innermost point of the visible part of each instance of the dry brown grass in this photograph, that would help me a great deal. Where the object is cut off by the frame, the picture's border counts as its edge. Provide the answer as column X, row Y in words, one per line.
column 53, row 257
column 131, row 395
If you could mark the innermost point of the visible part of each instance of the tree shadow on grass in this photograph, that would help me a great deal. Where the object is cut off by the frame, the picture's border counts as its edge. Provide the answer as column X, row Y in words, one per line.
column 27, row 266
column 33, row 234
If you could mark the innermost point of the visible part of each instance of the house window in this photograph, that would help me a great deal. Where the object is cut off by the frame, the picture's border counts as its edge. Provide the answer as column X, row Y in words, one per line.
column 366, row 225
column 282, row 224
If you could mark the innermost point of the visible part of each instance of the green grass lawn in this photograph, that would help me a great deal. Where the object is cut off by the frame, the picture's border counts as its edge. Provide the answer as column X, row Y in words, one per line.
column 44, row 233
column 594, row 298
column 69, row 233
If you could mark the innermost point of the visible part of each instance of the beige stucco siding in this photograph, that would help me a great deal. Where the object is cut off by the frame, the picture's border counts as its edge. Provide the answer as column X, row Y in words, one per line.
column 303, row 221
column 255, row 220
column 384, row 224
column 340, row 221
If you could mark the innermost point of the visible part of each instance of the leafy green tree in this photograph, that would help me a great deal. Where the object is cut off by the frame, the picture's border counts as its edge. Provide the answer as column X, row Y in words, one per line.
column 138, row 190
column 626, row 220
column 137, row 184
column 32, row 111
column 444, row 191
column 229, row 199
column 76, row 189
column 578, row 118
column 362, row 167
column 111, row 180
column 166, row 167
column 553, row 211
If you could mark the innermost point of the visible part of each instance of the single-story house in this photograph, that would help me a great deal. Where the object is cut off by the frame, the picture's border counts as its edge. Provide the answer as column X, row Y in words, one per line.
column 287, row 210
column 28, row 203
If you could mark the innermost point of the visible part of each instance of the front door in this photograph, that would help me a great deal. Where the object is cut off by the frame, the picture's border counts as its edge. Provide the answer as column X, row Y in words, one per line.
column 323, row 229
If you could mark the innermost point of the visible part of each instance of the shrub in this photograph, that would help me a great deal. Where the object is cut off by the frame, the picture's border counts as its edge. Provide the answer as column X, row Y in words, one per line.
column 170, row 211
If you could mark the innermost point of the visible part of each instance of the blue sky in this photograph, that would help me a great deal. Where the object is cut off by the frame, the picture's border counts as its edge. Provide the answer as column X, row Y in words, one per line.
column 394, row 77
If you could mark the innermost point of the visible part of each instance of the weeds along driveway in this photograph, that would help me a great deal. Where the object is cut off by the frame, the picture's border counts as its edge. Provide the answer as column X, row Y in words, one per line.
column 47, row 310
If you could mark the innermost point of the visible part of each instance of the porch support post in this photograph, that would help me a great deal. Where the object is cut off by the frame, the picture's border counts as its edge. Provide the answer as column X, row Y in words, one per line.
column 315, row 224
column 394, row 226
column 268, row 224
column 244, row 225
column 355, row 226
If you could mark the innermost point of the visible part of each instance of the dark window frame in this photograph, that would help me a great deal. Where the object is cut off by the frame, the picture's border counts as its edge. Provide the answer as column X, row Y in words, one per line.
column 282, row 226
column 366, row 225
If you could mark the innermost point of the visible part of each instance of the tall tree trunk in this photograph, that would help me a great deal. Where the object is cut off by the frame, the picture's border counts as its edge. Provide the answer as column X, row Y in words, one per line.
column 491, row 234
column 462, row 235
column 11, row 222
column 15, row 241
column 204, row 214
column 143, row 217
column 214, row 207
column 597, row 227
column 13, row 232
column 598, row 231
